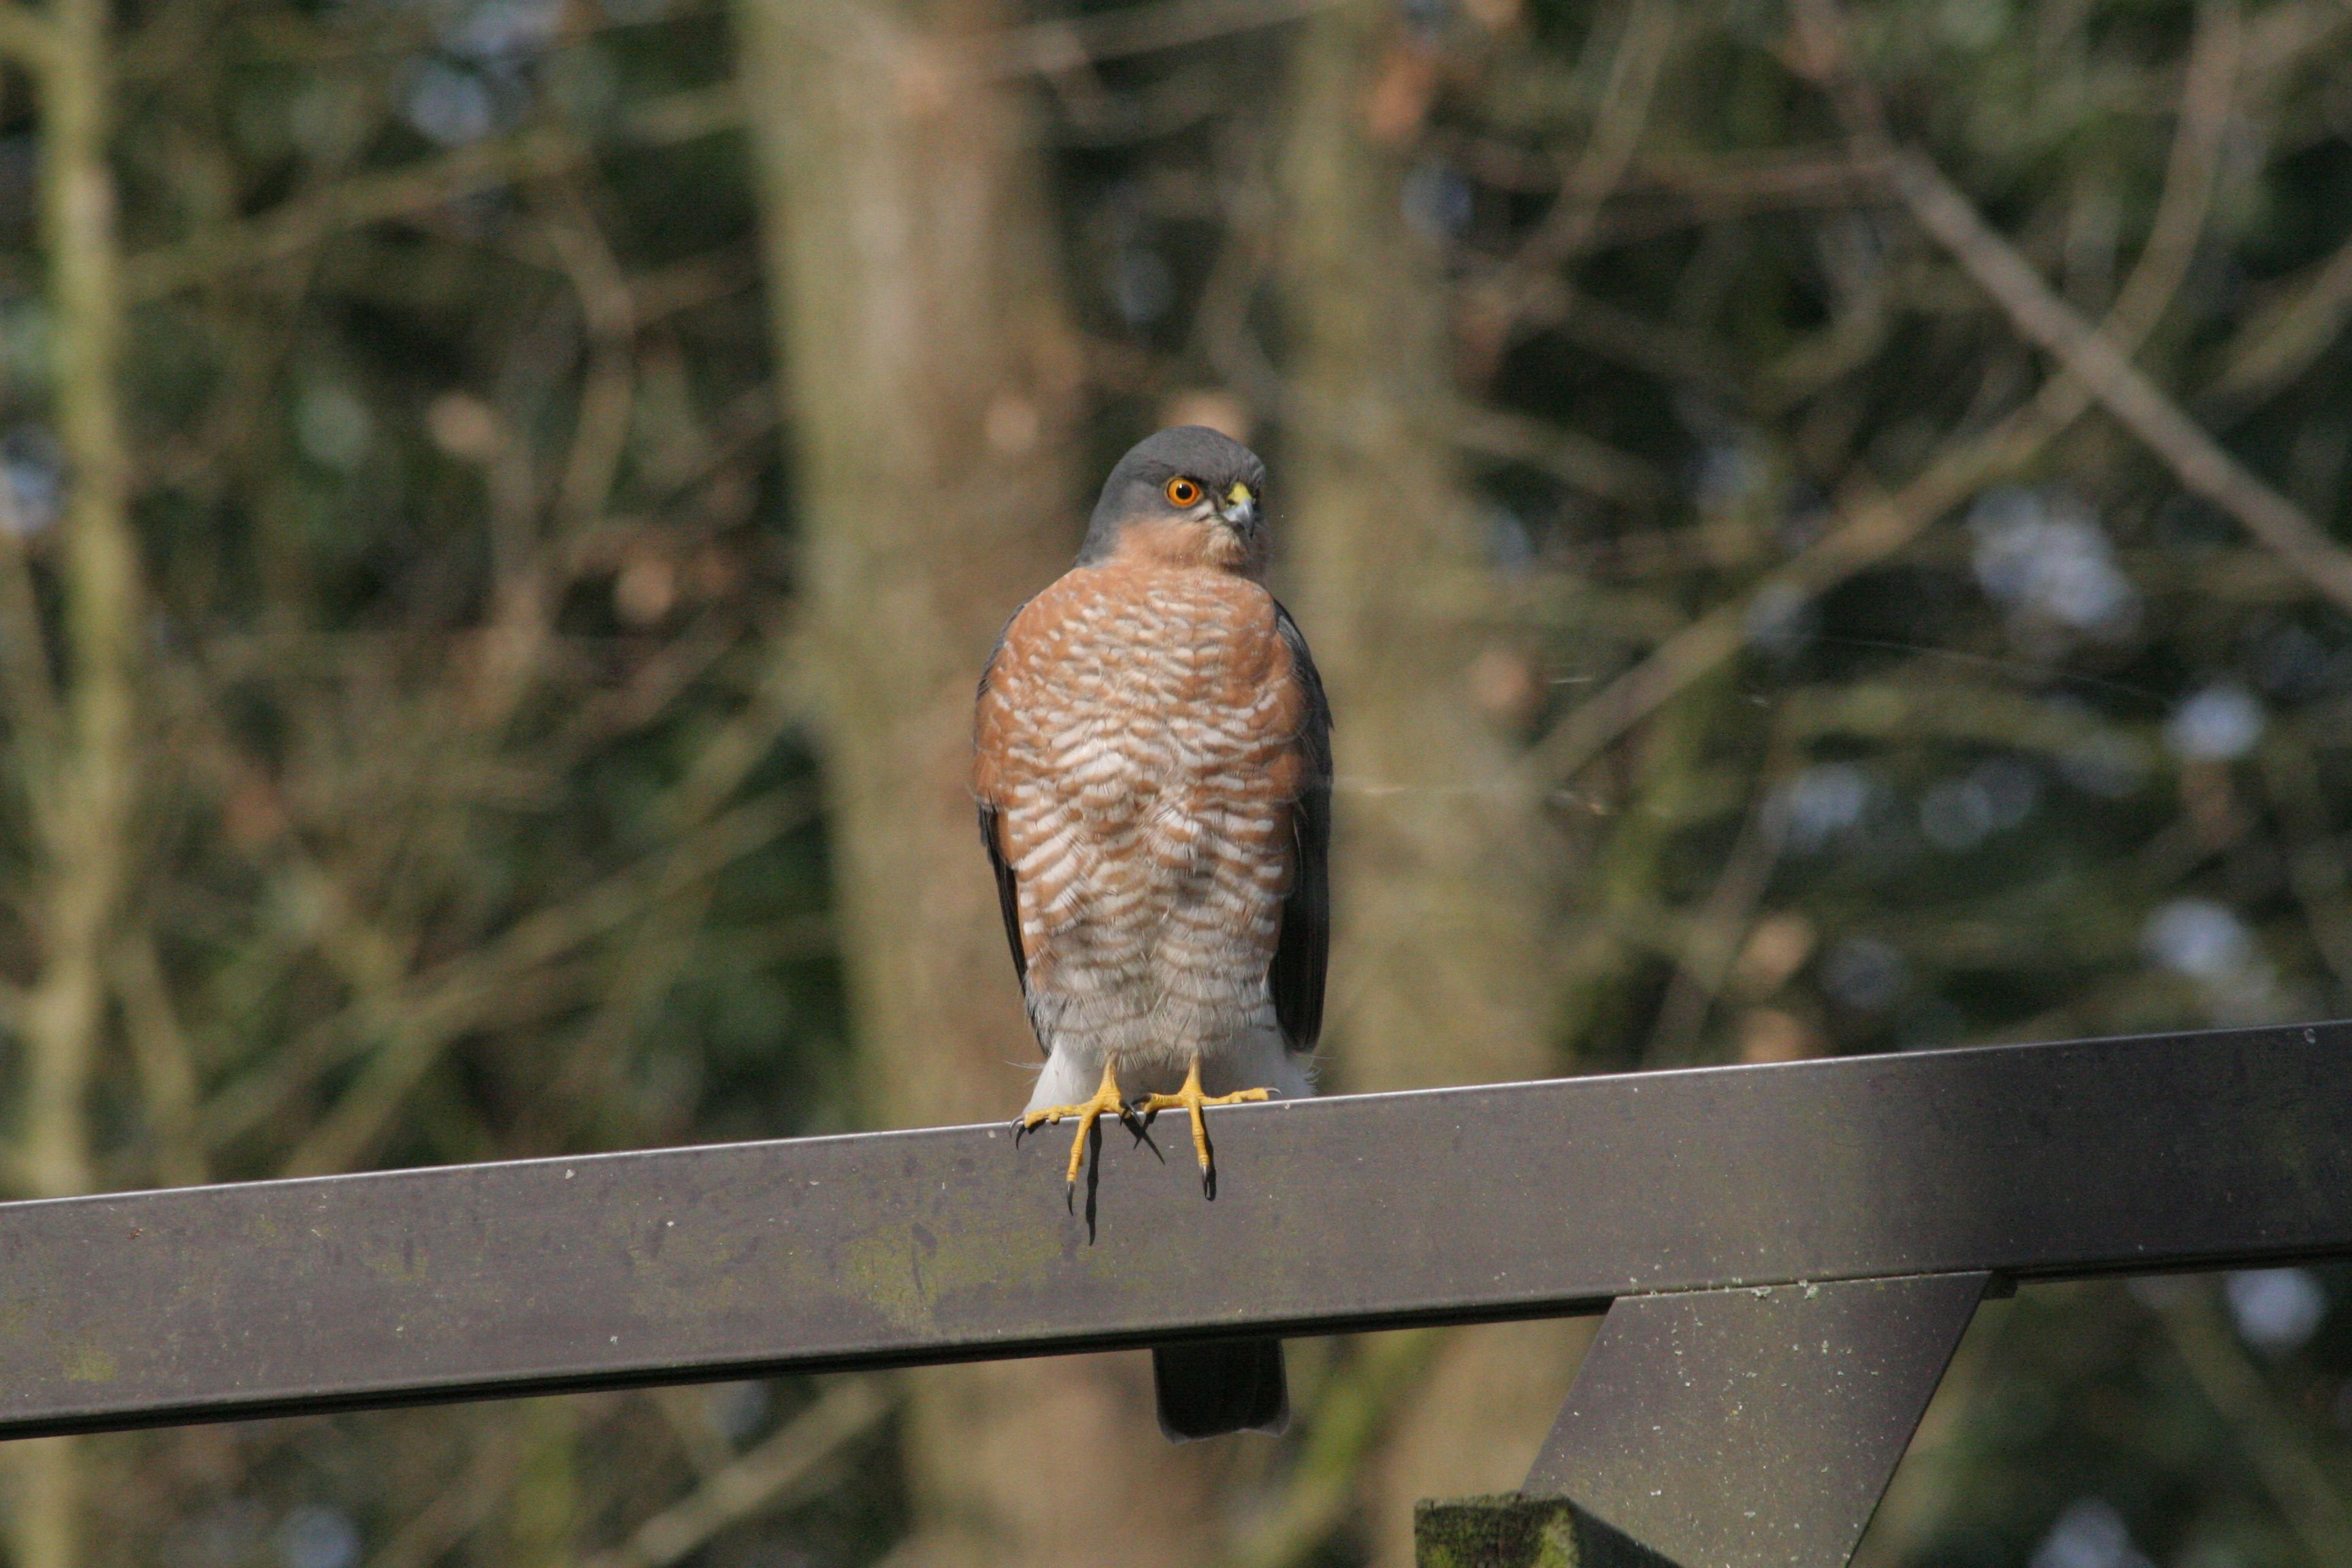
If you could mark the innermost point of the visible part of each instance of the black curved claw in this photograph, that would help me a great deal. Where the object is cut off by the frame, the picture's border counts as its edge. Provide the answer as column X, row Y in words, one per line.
column 1142, row 1131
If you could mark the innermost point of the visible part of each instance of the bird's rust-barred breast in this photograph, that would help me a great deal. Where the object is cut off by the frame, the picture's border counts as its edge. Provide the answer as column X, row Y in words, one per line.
column 1141, row 738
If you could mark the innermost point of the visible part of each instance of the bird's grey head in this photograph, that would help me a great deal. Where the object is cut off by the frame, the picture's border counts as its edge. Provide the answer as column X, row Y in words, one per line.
column 1188, row 493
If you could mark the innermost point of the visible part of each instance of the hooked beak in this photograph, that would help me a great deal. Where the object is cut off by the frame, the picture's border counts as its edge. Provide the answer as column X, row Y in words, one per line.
column 1240, row 509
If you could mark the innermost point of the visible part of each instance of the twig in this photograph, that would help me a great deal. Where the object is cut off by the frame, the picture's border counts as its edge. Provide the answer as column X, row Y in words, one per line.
column 355, row 203
column 1856, row 331
column 25, row 35
column 1875, row 526
column 687, row 1412
column 460, row 1507
column 167, row 1074
column 83, row 856
column 1593, row 467
column 1491, row 310
column 2275, row 348
column 608, row 393
column 725, row 761
column 1911, row 704
column 27, row 682
column 2208, row 94
column 1654, row 348
column 687, row 116
column 699, row 281
column 630, row 988
column 2283, row 38
column 757, row 1481
column 1633, row 81
column 409, row 1045
column 421, row 1021
column 2315, row 867
column 1715, row 935
column 419, row 187
column 1044, row 47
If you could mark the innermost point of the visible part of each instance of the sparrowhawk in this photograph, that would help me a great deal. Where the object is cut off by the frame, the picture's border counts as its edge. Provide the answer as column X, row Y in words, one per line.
column 1153, row 769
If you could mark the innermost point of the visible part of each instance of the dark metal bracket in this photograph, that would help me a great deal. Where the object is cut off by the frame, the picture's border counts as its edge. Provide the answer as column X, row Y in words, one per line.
column 1753, row 1428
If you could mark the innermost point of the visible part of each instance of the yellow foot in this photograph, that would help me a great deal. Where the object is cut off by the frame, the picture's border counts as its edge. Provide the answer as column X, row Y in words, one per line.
column 1190, row 1099
column 1107, row 1101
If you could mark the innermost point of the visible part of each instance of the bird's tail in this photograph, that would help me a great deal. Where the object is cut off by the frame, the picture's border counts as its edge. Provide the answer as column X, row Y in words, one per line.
column 1223, row 1385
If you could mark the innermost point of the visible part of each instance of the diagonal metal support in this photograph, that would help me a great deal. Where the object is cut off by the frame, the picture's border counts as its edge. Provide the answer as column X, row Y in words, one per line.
column 1754, row 1428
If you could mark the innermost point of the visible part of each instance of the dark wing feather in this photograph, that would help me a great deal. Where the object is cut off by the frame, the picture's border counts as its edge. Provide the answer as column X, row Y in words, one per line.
column 1304, row 948
column 1008, row 897
column 1008, row 893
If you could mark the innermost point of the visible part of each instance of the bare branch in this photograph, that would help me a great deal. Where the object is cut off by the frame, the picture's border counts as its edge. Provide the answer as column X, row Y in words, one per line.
column 2306, row 1494
column 419, row 1022
column 1049, row 47
column 1633, row 71
column 399, row 193
column 2208, row 94
column 28, row 685
column 462, row 1507
column 607, row 395
column 362, row 200
column 759, row 1480
column 1876, row 525
column 2121, row 387
column 25, row 35
column 1593, row 467
column 167, row 1074
column 85, row 853
column 2278, row 345
column 686, row 116
column 2315, row 867
column 1717, row 928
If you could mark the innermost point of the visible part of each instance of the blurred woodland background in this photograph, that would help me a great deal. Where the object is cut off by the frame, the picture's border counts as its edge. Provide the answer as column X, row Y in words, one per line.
column 1821, row 526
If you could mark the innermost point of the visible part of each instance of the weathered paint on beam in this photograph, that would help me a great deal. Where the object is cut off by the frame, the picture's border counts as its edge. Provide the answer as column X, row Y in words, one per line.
column 1343, row 1214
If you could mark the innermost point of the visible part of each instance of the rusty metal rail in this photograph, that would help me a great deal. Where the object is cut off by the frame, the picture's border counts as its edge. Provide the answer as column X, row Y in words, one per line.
column 1523, row 1200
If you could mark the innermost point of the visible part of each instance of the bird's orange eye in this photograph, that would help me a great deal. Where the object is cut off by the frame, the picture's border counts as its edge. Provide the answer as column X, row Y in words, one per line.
column 1182, row 492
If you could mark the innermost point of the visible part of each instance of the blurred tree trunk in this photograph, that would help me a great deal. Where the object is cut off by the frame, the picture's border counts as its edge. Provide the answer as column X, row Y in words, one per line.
column 1445, row 866
column 934, row 382
column 75, row 757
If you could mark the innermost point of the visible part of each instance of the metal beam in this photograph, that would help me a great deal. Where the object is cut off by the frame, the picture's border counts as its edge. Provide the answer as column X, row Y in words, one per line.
column 1519, row 1201
column 1753, row 1428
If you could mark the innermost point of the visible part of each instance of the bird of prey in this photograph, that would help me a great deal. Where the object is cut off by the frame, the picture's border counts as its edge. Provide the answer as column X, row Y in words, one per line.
column 1152, row 763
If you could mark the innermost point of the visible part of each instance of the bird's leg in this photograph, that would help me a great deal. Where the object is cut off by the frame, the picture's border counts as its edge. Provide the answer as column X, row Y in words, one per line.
column 1107, row 1101
column 1189, row 1098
